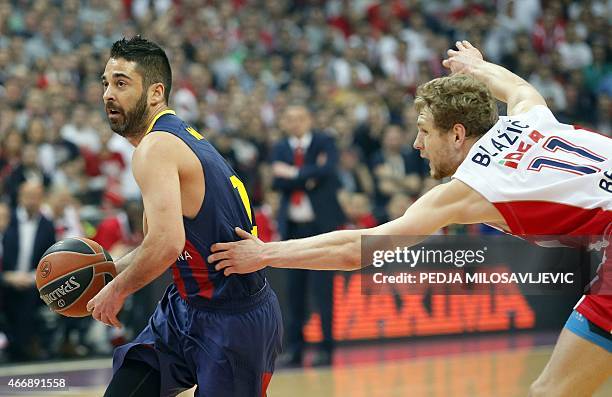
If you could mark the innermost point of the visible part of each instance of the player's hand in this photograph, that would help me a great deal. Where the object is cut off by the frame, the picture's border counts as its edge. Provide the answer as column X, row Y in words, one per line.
column 239, row 256
column 463, row 59
column 105, row 306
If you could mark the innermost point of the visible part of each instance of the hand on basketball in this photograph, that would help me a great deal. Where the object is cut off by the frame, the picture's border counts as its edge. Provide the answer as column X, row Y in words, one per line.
column 463, row 59
column 105, row 306
column 239, row 256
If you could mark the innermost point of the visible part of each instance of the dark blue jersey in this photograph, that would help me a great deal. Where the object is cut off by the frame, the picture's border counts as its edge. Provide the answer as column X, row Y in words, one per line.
column 226, row 205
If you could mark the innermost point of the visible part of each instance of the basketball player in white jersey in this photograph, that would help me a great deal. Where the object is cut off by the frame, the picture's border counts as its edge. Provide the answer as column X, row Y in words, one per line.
column 525, row 173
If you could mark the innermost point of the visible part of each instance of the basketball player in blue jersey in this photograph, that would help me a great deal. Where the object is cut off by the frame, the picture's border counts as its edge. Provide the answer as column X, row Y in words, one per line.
column 221, row 334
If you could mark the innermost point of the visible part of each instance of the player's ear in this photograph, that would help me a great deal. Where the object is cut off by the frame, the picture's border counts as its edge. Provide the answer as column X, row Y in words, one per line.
column 156, row 92
column 459, row 134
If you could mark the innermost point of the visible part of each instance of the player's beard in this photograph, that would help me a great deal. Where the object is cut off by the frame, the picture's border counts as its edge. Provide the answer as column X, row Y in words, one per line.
column 132, row 122
column 441, row 170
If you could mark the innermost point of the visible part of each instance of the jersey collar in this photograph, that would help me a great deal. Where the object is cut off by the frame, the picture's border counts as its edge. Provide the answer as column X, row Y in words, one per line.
column 157, row 116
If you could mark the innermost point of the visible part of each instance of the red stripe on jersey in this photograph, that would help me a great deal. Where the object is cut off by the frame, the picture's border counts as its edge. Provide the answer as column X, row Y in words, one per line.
column 548, row 218
column 580, row 127
column 199, row 271
column 265, row 381
column 178, row 280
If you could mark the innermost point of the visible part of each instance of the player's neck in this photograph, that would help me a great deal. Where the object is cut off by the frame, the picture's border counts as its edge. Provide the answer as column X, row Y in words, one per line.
column 135, row 140
column 464, row 152
column 468, row 145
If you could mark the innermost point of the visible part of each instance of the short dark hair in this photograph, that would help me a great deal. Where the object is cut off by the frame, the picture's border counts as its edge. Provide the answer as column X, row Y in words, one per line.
column 152, row 62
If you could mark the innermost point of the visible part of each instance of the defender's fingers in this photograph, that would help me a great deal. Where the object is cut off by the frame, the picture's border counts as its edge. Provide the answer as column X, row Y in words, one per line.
column 220, row 247
column 229, row 270
column 242, row 234
column 459, row 45
column 467, row 44
column 218, row 256
column 446, row 63
column 452, row 52
column 223, row 264
column 90, row 305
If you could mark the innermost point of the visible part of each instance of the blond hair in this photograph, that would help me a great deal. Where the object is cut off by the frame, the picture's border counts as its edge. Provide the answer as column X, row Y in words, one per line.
column 458, row 99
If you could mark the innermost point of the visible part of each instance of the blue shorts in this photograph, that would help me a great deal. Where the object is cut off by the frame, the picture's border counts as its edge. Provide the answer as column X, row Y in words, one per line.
column 582, row 327
column 226, row 353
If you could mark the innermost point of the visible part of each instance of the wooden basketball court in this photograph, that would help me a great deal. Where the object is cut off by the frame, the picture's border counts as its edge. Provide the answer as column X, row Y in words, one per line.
column 499, row 367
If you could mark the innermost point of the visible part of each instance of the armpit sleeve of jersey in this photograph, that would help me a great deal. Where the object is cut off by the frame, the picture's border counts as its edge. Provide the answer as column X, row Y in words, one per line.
column 477, row 182
column 538, row 112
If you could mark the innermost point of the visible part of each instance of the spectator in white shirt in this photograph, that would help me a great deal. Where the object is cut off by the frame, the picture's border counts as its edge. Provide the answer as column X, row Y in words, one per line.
column 575, row 53
column 79, row 132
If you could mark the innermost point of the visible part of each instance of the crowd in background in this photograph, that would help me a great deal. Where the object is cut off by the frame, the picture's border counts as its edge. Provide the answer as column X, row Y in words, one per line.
column 236, row 66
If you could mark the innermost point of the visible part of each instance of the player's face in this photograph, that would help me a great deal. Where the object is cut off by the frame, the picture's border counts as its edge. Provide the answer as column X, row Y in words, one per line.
column 436, row 146
column 125, row 98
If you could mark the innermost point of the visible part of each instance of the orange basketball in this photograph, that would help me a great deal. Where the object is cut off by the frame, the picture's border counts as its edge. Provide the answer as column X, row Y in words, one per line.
column 71, row 272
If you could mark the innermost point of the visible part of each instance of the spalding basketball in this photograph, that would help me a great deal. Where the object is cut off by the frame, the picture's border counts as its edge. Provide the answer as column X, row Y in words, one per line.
column 71, row 272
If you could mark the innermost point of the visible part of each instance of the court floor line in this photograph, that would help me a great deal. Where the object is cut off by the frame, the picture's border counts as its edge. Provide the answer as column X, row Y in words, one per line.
column 63, row 366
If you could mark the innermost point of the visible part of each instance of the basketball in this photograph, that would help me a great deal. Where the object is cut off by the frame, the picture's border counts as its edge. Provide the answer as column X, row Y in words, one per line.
column 71, row 272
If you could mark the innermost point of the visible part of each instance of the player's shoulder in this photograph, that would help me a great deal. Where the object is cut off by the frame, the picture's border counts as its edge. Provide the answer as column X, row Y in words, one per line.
column 158, row 145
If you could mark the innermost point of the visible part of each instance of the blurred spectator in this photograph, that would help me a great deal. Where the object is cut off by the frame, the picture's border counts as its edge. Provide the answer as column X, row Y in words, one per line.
column 80, row 132
column 265, row 217
column 548, row 32
column 27, row 237
column 354, row 176
column 10, row 157
column 120, row 233
column 56, row 150
column 5, row 218
column 396, row 170
column 400, row 66
column 27, row 170
column 604, row 115
column 397, row 206
column 63, row 209
column 304, row 165
column 348, row 70
column 105, row 169
column 368, row 135
column 579, row 101
column 598, row 69
column 575, row 53
column 358, row 211
column 552, row 91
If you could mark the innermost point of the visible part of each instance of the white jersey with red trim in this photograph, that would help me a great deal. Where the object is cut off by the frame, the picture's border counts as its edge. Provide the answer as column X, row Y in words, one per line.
column 545, row 177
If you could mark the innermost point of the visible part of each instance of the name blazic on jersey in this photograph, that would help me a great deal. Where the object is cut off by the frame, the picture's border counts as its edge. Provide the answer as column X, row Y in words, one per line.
column 503, row 140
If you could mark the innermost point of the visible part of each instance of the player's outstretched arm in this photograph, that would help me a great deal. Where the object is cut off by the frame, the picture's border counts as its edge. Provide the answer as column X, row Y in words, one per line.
column 505, row 85
column 453, row 202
